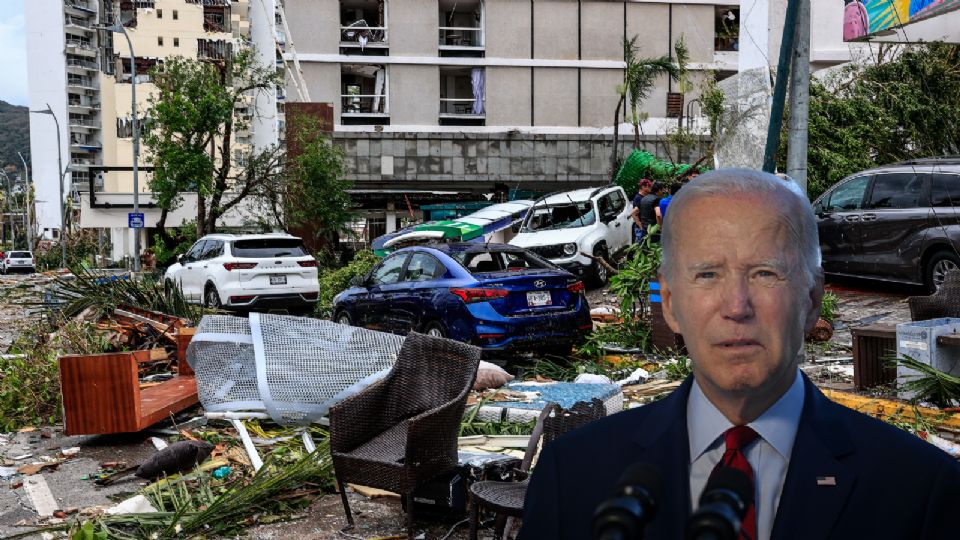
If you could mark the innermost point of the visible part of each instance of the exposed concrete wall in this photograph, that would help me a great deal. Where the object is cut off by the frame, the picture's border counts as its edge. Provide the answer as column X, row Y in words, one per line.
column 508, row 96
column 474, row 162
column 695, row 24
column 555, row 97
column 555, row 30
column 507, row 29
column 414, row 27
column 314, row 26
column 602, row 31
column 651, row 22
column 324, row 83
column 599, row 96
column 414, row 94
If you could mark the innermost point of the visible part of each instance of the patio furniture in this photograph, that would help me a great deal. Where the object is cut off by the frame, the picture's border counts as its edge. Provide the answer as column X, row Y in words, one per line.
column 945, row 302
column 402, row 431
column 506, row 498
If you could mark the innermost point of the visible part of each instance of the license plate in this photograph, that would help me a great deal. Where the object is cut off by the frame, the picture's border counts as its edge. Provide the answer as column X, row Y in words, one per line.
column 539, row 298
column 278, row 280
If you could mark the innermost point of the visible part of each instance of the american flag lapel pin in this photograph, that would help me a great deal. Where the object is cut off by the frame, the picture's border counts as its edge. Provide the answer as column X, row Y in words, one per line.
column 826, row 480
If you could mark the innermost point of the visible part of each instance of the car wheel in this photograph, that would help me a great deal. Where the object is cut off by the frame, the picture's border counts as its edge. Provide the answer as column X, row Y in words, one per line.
column 938, row 266
column 343, row 318
column 435, row 329
column 600, row 275
column 211, row 298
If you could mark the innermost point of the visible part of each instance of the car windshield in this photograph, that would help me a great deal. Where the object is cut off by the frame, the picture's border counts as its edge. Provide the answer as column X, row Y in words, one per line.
column 559, row 216
column 19, row 254
column 479, row 262
column 269, row 247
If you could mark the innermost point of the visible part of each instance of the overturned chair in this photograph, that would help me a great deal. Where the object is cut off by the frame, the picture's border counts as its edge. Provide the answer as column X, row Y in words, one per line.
column 945, row 302
column 402, row 431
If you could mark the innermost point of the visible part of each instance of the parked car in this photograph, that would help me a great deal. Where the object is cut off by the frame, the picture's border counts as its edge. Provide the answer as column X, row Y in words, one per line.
column 899, row 222
column 13, row 261
column 563, row 227
column 247, row 272
column 495, row 296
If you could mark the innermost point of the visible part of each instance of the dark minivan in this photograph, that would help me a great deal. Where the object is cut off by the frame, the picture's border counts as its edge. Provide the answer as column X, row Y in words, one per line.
column 898, row 222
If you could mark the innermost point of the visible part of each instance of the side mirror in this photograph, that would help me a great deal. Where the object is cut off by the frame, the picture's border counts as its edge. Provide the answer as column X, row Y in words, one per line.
column 180, row 258
column 356, row 281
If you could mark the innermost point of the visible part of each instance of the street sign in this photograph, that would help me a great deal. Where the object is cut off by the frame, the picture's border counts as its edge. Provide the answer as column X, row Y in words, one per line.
column 135, row 221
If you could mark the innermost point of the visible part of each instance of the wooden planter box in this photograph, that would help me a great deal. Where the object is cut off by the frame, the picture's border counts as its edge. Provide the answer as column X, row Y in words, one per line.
column 661, row 336
column 102, row 394
column 871, row 345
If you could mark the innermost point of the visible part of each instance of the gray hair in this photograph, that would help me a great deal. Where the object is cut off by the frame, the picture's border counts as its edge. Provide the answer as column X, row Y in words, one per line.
column 785, row 193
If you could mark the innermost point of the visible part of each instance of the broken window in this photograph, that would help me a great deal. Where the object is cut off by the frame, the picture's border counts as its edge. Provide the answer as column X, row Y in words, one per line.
column 462, row 91
column 364, row 89
column 216, row 18
column 461, row 23
column 727, row 28
column 144, row 66
column 209, row 49
column 363, row 22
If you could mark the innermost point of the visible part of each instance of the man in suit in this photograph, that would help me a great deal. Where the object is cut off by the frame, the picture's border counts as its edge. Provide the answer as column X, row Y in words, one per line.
column 741, row 281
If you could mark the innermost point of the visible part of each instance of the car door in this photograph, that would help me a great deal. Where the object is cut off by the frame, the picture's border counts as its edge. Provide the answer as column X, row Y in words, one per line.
column 413, row 301
column 623, row 228
column 190, row 274
column 838, row 222
column 372, row 306
column 945, row 203
column 607, row 220
column 893, row 223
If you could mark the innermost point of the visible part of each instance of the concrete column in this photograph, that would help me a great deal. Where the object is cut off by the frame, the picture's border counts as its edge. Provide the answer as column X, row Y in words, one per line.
column 391, row 214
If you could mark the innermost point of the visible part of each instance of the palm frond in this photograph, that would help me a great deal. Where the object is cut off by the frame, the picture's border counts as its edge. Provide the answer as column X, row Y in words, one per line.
column 930, row 384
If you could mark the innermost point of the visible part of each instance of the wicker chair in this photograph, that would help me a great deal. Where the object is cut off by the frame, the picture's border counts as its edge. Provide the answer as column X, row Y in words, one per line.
column 402, row 431
column 506, row 498
column 943, row 303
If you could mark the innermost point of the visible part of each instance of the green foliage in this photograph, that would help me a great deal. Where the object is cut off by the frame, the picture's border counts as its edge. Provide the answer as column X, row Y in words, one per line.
column 902, row 107
column 640, row 264
column 184, row 236
column 470, row 425
column 334, row 281
column 713, row 101
column 15, row 133
column 103, row 293
column 930, row 384
column 316, row 189
column 642, row 164
column 631, row 333
column 30, row 384
column 679, row 369
column 640, row 77
column 828, row 307
column 82, row 246
column 87, row 531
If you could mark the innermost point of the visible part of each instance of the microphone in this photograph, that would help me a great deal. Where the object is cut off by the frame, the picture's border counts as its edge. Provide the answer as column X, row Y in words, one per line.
column 723, row 503
column 624, row 516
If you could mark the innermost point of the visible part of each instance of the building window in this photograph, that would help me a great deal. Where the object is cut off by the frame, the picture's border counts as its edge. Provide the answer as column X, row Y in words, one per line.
column 176, row 15
column 462, row 92
column 159, row 13
column 363, row 22
column 160, row 41
column 461, row 23
column 176, row 42
column 364, row 89
column 726, row 28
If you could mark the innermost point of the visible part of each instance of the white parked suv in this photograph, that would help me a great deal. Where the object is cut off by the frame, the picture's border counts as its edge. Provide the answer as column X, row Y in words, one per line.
column 562, row 227
column 247, row 272
column 17, row 260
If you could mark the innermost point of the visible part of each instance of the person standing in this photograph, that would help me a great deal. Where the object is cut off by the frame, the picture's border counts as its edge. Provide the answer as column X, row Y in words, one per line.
column 643, row 189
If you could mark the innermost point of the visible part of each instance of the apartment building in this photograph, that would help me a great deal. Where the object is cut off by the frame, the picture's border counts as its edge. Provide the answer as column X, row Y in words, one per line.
column 84, row 74
column 467, row 96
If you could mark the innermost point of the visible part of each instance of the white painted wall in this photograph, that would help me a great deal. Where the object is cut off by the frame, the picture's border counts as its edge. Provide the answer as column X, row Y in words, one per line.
column 47, row 84
column 263, row 35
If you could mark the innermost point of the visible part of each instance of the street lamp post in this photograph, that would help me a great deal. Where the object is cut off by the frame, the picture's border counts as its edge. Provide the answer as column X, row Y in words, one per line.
column 63, row 172
column 119, row 29
column 29, row 203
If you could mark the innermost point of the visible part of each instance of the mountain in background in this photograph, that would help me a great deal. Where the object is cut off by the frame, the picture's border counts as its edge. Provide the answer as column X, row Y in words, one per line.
column 14, row 134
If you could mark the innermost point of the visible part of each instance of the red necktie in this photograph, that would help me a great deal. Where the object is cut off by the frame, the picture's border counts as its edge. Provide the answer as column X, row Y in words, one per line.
column 737, row 438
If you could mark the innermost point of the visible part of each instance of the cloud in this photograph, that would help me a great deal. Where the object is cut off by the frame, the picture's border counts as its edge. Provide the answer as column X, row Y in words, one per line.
column 13, row 58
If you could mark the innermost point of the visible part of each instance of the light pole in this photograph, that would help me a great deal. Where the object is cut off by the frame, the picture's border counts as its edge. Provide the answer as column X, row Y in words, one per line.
column 119, row 29
column 63, row 207
column 29, row 203
column 13, row 233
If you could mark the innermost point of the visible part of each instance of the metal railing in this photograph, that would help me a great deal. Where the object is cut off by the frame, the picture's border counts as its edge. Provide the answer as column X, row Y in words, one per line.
column 352, row 33
column 213, row 49
column 82, row 82
column 80, row 44
column 363, row 104
column 81, row 4
column 77, row 21
column 458, row 106
column 461, row 36
column 74, row 62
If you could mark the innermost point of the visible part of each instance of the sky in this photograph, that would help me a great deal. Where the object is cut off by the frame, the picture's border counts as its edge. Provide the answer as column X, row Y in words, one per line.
column 13, row 52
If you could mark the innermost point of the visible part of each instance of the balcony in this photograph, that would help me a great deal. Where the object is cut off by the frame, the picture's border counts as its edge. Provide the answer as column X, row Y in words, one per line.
column 461, row 28
column 80, row 83
column 462, row 96
column 216, row 18
column 80, row 66
column 77, row 23
column 726, row 36
column 82, row 106
column 81, row 47
column 364, row 98
column 83, row 124
column 363, row 24
column 210, row 49
column 78, row 7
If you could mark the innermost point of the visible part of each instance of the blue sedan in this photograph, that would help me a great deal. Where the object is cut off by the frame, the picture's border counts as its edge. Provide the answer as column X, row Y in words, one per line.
column 495, row 296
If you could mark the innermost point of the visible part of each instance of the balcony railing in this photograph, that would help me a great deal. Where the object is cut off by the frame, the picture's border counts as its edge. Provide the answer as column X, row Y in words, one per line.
column 76, row 62
column 362, row 35
column 83, row 122
column 80, row 44
column 364, row 104
column 461, row 36
column 458, row 106
column 213, row 50
column 82, row 82
column 76, row 21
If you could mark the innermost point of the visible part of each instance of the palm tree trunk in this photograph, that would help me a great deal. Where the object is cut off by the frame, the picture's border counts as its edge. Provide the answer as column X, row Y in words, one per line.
column 615, row 147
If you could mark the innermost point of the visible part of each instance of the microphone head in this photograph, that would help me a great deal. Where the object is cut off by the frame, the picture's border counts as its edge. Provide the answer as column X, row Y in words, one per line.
column 731, row 480
column 641, row 476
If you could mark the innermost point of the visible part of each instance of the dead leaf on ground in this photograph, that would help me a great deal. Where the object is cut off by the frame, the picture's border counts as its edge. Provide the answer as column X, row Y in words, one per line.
column 33, row 468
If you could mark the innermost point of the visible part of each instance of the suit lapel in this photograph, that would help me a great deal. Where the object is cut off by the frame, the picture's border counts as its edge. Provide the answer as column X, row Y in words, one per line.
column 817, row 484
column 663, row 441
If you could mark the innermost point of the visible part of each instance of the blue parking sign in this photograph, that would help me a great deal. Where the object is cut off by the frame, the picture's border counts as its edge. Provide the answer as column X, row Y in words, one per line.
column 135, row 221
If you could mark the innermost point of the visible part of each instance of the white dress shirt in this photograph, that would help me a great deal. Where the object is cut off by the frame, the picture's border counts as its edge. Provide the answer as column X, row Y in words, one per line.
column 769, row 454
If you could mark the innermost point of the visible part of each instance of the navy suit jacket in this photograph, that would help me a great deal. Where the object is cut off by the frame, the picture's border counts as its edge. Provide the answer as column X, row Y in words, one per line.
column 889, row 483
